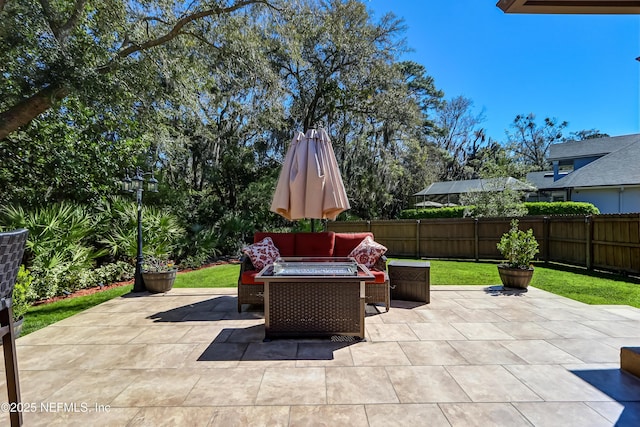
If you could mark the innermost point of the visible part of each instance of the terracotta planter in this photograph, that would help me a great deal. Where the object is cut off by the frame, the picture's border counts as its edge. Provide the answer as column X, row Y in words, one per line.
column 515, row 277
column 157, row 282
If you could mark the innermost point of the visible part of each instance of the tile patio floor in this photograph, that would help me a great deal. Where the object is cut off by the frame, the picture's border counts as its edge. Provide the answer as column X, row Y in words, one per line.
column 475, row 356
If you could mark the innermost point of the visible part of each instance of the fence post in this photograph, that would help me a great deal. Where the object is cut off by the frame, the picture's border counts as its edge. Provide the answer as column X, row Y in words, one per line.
column 589, row 225
column 546, row 233
column 477, row 239
column 418, row 239
column 369, row 226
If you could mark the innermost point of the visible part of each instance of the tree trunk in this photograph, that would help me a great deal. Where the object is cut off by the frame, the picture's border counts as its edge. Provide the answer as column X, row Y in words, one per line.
column 23, row 112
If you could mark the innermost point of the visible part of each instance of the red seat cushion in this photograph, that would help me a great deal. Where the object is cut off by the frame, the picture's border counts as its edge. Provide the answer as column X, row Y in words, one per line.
column 380, row 276
column 346, row 242
column 285, row 242
column 249, row 277
column 314, row 244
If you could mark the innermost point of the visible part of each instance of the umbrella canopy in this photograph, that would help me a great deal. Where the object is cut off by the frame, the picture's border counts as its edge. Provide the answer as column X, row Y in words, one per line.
column 310, row 185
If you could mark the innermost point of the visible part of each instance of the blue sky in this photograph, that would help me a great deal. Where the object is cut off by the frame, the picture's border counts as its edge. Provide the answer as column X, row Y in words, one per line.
column 576, row 68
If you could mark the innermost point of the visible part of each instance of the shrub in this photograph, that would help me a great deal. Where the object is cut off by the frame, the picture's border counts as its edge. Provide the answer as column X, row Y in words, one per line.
column 561, row 208
column 445, row 212
column 20, row 297
column 518, row 247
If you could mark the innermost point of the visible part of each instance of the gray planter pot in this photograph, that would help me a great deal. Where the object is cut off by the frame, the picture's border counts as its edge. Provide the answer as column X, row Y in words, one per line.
column 157, row 282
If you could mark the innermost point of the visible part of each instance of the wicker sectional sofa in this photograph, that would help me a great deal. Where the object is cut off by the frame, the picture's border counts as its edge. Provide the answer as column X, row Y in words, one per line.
column 326, row 244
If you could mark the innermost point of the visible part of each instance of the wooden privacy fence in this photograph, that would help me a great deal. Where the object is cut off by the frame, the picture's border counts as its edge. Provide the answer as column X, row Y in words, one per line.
column 608, row 242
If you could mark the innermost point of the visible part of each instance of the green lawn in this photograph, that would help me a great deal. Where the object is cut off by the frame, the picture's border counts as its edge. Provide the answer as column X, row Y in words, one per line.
column 591, row 288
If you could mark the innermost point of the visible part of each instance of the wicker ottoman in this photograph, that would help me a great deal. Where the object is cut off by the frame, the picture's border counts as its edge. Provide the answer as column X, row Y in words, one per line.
column 410, row 280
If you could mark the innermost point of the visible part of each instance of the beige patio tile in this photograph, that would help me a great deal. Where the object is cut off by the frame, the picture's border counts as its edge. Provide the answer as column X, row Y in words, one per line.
column 110, row 335
column 158, row 387
column 623, row 329
column 551, row 414
column 478, row 315
column 526, row 330
column 96, row 387
column 555, row 383
column 359, row 385
column 539, row 352
column 324, row 354
column 242, row 416
column 559, row 314
column 378, row 354
column 572, row 329
column 630, row 313
column 284, row 386
column 588, row 351
column 328, row 415
column 401, row 415
column 485, row 353
column 270, row 354
column 477, row 303
column 225, row 387
column 596, row 313
column 483, row 415
column 518, row 315
column 172, row 416
column 215, row 356
column 61, row 335
column 161, row 334
column 48, row 357
column 491, row 383
column 618, row 413
column 424, row 353
column 399, row 315
column 438, row 302
column 107, row 418
column 38, row 386
column 439, row 316
column 436, row 331
column 391, row 332
column 481, row 331
column 424, row 384
column 204, row 334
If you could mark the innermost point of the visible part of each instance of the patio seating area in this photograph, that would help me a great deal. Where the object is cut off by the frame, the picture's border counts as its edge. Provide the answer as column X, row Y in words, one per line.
column 473, row 356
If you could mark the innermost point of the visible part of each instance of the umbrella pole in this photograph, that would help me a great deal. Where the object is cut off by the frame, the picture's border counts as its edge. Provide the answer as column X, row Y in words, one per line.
column 313, row 225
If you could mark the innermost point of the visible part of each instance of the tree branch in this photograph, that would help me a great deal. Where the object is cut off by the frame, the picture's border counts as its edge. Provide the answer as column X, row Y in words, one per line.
column 23, row 112
column 62, row 31
column 177, row 27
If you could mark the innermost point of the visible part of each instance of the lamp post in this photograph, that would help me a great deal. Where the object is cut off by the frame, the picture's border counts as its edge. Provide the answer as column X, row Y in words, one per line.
column 136, row 185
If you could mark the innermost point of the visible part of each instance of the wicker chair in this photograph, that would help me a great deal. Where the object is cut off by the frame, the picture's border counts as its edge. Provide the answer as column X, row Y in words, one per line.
column 12, row 245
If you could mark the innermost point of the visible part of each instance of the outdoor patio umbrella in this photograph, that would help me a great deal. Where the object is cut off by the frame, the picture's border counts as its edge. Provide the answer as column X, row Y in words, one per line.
column 310, row 185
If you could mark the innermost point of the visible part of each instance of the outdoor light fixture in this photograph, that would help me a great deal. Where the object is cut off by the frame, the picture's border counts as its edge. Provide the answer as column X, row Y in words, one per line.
column 131, row 185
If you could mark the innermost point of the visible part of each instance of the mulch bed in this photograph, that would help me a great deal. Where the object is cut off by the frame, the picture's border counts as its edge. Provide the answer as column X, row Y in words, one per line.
column 91, row 291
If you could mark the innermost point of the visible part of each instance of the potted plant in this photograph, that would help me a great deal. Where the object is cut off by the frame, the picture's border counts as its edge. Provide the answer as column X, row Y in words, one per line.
column 519, row 248
column 20, row 298
column 158, row 274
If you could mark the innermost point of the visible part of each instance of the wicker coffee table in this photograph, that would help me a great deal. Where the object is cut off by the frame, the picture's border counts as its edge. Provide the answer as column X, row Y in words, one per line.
column 314, row 305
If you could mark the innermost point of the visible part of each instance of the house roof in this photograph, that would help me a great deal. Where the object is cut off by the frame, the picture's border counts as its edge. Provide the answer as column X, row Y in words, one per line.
column 617, row 168
column 459, row 187
column 591, row 147
column 570, row 6
column 540, row 179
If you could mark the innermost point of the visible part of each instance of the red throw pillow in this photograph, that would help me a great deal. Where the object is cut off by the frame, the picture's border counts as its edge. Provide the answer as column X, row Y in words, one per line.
column 262, row 253
column 368, row 252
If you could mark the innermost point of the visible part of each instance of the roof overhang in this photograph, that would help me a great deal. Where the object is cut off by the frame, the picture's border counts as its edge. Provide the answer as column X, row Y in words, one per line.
column 570, row 6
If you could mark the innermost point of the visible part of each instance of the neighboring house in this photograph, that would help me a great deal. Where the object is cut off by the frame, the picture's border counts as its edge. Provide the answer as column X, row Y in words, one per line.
column 602, row 171
column 543, row 181
column 449, row 191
